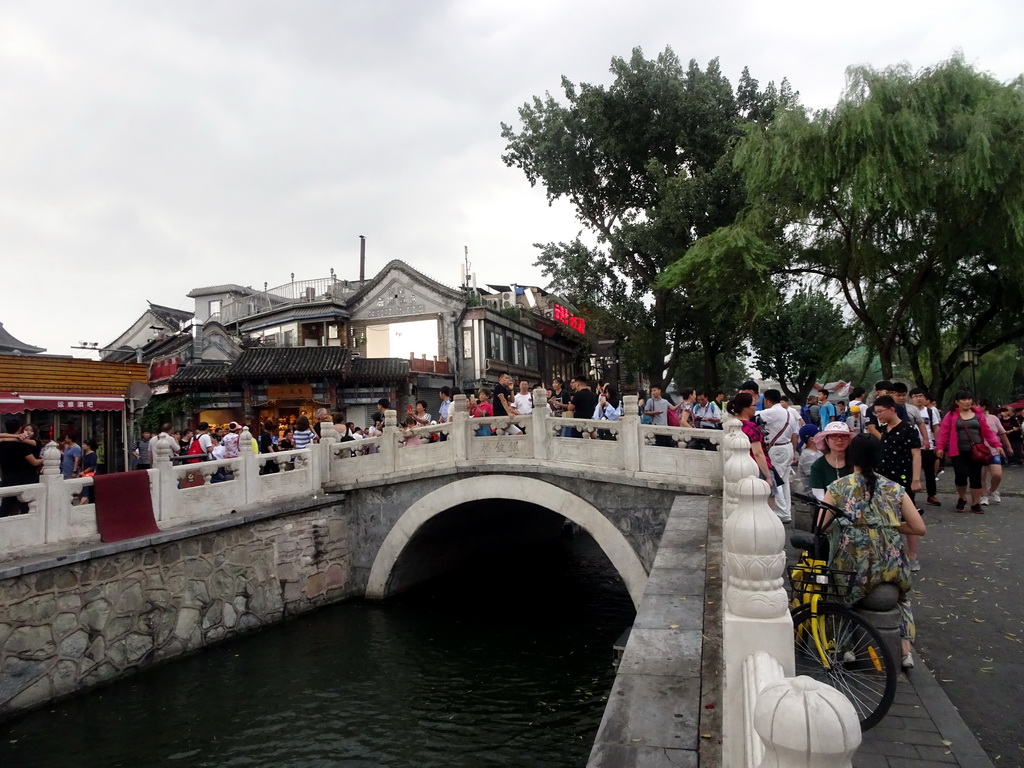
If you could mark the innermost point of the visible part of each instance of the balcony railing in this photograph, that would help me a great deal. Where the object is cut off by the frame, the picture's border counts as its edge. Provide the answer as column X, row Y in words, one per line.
column 423, row 365
column 297, row 291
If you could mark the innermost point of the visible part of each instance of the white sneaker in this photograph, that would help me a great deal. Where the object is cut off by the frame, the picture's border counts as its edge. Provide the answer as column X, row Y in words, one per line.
column 995, row 497
column 915, row 566
column 908, row 661
column 984, row 501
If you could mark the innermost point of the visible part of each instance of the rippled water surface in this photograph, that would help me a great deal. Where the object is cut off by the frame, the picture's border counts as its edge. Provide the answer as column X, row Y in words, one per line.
column 505, row 663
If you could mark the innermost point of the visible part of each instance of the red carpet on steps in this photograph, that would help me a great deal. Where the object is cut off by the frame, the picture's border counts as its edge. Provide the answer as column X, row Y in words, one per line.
column 124, row 508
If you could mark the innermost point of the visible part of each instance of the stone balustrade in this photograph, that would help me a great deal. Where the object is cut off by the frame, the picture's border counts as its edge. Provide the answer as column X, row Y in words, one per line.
column 772, row 720
column 194, row 492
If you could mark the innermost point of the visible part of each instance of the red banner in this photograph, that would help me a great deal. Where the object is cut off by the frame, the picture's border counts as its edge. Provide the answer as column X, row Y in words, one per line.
column 14, row 402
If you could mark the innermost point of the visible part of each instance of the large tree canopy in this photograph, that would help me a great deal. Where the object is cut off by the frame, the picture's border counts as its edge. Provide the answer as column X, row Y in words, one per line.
column 647, row 162
column 906, row 200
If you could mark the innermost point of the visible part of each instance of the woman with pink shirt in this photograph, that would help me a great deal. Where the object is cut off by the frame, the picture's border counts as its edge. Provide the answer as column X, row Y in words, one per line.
column 961, row 429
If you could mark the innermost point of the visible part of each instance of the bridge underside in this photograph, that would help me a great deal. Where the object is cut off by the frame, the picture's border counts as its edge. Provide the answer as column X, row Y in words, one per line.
column 469, row 531
column 473, row 515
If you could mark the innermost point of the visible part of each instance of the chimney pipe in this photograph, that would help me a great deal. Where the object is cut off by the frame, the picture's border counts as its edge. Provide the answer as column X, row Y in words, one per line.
column 362, row 258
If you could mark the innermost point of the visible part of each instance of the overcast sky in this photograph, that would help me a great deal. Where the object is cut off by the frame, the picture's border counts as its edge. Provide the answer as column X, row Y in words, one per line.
column 147, row 148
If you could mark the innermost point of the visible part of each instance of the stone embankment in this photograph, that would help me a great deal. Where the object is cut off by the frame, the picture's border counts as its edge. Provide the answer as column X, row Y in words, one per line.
column 80, row 619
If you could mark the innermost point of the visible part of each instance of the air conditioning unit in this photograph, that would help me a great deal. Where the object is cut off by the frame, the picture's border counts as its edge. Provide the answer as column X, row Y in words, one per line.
column 310, row 293
column 508, row 299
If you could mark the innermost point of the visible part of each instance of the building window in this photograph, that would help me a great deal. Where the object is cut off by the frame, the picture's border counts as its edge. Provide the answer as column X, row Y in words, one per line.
column 496, row 345
column 467, row 343
column 214, row 306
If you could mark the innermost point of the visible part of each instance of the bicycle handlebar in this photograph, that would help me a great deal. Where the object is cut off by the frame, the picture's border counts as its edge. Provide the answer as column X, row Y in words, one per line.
column 836, row 511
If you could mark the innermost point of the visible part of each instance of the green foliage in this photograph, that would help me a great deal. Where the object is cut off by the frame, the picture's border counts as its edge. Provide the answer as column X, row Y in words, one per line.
column 907, row 199
column 166, row 409
column 647, row 164
column 800, row 339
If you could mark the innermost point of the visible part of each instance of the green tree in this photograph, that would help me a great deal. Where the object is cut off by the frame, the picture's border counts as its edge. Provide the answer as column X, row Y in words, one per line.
column 799, row 341
column 647, row 164
column 907, row 199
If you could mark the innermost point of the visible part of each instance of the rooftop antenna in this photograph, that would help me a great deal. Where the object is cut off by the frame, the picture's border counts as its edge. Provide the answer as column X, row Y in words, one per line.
column 465, row 266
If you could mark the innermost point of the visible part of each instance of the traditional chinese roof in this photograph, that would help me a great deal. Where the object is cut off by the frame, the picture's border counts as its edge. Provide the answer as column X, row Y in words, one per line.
column 290, row 362
column 379, row 369
column 324, row 310
column 172, row 317
column 11, row 346
column 200, row 373
column 31, row 373
column 416, row 276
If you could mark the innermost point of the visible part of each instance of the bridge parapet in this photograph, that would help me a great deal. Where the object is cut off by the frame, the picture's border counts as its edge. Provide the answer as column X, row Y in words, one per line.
column 626, row 446
column 193, row 492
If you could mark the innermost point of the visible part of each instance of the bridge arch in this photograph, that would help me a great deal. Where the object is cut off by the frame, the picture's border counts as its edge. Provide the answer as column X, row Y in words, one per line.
column 511, row 488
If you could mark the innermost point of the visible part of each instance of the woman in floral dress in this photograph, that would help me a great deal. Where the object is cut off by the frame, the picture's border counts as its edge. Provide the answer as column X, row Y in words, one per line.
column 869, row 543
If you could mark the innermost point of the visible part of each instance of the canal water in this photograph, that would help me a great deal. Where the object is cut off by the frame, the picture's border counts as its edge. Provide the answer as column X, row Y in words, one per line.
column 506, row 662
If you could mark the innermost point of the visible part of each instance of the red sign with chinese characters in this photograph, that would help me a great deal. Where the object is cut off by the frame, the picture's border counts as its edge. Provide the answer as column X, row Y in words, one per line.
column 163, row 368
column 565, row 317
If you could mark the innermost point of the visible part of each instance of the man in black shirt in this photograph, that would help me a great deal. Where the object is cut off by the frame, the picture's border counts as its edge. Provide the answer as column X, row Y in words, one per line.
column 18, row 466
column 901, row 457
column 583, row 402
column 502, row 395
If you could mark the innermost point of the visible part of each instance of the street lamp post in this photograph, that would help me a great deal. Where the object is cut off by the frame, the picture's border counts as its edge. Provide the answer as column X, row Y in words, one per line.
column 970, row 356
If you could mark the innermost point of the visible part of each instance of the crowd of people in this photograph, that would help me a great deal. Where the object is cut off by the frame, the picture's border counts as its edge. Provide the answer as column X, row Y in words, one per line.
column 877, row 460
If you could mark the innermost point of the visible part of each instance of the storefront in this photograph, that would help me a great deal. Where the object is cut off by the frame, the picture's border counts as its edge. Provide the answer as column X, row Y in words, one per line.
column 85, row 399
column 283, row 404
column 84, row 418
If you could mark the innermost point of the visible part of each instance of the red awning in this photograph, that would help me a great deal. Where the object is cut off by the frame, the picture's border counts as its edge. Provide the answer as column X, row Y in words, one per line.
column 15, row 402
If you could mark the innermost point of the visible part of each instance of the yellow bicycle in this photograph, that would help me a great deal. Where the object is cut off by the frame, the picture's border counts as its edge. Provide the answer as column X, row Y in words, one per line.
column 833, row 643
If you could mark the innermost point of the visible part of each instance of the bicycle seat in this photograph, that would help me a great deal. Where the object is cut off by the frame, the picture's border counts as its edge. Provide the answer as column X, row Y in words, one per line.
column 881, row 598
column 802, row 539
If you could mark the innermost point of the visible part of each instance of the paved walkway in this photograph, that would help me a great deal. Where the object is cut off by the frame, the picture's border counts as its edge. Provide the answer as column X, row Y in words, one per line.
column 922, row 728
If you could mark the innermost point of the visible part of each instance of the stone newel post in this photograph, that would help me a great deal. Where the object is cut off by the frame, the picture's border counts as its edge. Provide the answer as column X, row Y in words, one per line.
column 806, row 724
column 539, row 424
column 629, row 433
column 756, row 616
column 57, row 524
column 389, row 442
column 458, row 434
column 250, row 466
column 166, row 499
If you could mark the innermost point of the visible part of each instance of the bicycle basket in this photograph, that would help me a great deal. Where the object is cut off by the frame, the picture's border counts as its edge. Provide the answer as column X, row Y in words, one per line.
column 821, row 580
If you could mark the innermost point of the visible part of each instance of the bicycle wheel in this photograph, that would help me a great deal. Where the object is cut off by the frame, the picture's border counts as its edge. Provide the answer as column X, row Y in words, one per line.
column 853, row 659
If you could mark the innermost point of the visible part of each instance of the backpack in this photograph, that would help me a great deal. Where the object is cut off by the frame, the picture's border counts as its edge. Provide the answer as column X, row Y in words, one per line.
column 195, row 448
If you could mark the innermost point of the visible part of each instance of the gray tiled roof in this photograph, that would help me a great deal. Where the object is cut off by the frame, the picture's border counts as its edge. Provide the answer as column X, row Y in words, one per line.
column 200, row 373
column 10, row 345
column 326, row 310
column 169, row 315
column 290, row 362
column 379, row 369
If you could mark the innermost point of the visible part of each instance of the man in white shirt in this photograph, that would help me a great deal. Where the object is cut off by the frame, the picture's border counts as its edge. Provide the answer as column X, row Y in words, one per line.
column 782, row 432
column 524, row 399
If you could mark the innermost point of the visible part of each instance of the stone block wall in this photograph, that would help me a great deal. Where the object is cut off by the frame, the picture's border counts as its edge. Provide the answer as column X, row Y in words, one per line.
column 68, row 627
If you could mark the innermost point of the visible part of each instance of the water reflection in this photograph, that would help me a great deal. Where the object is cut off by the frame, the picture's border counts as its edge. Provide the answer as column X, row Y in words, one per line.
column 503, row 663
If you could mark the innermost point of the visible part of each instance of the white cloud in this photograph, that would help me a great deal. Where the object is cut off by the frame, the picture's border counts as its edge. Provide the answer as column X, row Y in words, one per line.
column 152, row 147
